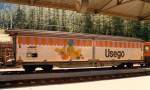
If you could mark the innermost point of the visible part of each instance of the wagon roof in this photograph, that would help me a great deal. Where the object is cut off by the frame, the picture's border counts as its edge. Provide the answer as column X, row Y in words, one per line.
column 29, row 32
column 6, row 43
column 147, row 43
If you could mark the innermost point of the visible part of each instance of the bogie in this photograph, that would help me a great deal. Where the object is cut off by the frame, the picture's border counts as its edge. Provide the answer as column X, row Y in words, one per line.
column 31, row 68
column 47, row 68
column 125, row 65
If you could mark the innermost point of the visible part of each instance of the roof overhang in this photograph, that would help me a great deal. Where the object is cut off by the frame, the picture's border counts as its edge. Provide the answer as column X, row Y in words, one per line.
column 138, row 9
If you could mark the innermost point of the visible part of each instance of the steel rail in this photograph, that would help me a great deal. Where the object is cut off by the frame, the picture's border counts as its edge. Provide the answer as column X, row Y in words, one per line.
column 21, row 80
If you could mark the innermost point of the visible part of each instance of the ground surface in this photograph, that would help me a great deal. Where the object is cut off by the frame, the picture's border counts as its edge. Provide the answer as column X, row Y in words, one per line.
column 137, row 83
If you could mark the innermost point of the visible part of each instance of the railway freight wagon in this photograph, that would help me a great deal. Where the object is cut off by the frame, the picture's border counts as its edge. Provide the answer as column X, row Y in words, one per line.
column 6, row 54
column 147, row 53
column 46, row 49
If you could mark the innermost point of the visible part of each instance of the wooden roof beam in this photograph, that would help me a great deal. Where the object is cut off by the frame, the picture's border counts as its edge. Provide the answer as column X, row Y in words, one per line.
column 32, row 2
column 98, row 10
column 118, row 4
column 145, row 16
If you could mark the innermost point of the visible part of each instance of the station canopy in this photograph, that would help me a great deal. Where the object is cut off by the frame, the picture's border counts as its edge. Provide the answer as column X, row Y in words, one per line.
column 137, row 9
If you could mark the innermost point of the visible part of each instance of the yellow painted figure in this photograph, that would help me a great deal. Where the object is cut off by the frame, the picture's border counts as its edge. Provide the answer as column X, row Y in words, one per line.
column 69, row 52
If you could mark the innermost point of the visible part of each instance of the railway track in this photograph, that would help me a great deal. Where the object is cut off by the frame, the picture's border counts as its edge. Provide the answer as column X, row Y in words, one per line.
column 56, row 70
column 21, row 79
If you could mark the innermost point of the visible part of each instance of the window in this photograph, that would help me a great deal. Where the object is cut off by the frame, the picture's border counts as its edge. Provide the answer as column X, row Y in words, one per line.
column 34, row 55
column 32, row 52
